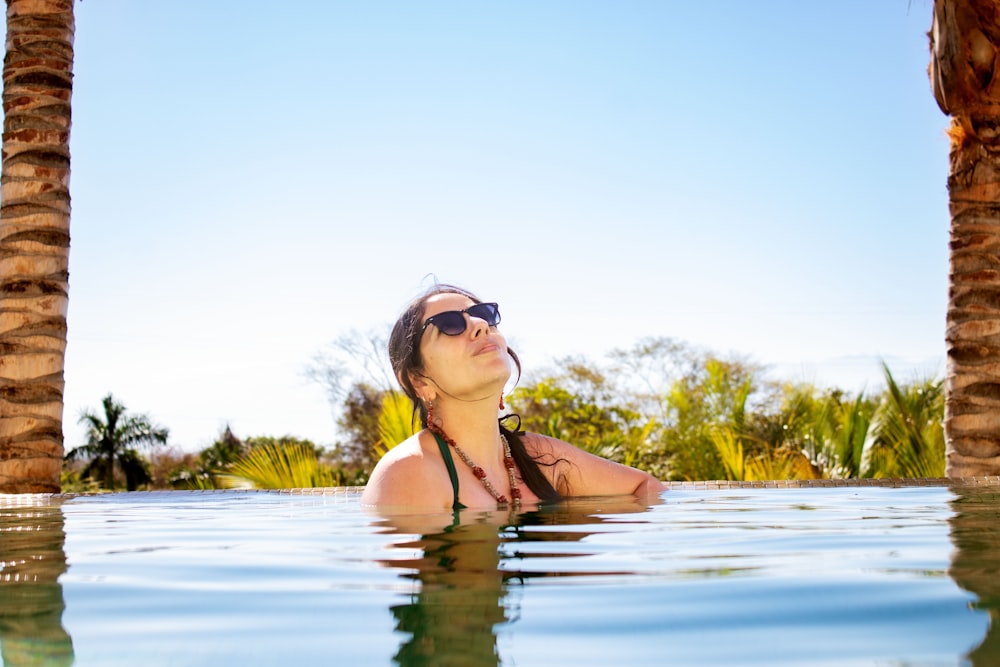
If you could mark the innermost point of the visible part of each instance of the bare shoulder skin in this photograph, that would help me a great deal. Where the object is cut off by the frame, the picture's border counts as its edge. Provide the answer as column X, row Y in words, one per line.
column 409, row 476
column 412, row 477
column 579, row 473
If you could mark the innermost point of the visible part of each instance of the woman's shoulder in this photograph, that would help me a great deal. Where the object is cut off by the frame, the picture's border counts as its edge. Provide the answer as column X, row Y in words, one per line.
column 407, row 458
column 409, row 452
column 406, row 475
column 544, row 446
column 587, row 474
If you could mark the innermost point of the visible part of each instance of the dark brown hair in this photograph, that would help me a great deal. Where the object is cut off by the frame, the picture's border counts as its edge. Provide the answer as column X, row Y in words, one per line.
column 404, row 356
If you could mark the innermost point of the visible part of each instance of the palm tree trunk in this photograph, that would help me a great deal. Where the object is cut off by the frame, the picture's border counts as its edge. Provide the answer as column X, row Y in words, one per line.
column 965, row 76
column 34, row 242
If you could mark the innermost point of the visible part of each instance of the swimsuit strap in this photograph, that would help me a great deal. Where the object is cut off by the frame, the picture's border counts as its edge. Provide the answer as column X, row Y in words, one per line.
column 449, row 463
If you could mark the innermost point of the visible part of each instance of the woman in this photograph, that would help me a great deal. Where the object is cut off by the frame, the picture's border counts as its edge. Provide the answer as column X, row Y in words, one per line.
column 453, row 363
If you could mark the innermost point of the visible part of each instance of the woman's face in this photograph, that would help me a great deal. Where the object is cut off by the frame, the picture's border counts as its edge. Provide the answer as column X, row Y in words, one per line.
column 473, row 365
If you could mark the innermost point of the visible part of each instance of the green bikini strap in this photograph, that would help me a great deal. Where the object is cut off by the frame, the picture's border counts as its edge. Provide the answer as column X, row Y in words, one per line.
column 449, row 463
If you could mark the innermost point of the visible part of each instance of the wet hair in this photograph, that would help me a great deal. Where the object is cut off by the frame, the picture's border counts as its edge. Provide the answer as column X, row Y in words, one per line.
column 404, row 356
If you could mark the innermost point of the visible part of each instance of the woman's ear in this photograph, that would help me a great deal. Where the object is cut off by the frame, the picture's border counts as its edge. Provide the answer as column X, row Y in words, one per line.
column 425, row 391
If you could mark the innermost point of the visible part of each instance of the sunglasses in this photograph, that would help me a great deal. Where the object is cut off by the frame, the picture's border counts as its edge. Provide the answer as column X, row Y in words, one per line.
column 453, row 322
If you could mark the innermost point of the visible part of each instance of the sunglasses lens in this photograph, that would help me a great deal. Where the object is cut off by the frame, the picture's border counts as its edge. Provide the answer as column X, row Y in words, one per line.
column 488, row 312
column 450, row 323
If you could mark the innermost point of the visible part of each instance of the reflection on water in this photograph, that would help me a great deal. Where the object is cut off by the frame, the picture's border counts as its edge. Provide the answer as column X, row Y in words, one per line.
column 975, row 562
column 450, row 620
column 463, row 575
column 32, row 558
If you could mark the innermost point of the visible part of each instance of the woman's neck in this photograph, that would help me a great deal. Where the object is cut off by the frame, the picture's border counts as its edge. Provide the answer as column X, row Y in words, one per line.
column 472, row 425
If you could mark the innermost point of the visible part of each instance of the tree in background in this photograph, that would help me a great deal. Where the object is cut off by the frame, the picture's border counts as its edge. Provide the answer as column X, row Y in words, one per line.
column 676, row 411
column 34, row 242
column 907, row 438
column 358, row 426
column 654, row 406
column 579, row 404
column 178, row 470
column 965, row 40
column 224, row 452
column 685, row 414
column 355, row 374
column 837, row 431
column 113, row 440
column 798, row 432
column 713, row 394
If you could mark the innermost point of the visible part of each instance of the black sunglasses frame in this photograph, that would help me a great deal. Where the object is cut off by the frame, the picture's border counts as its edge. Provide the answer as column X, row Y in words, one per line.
column 488, row 312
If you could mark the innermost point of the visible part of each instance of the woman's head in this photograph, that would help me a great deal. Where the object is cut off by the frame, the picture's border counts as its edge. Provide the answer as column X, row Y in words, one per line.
column 405, row 352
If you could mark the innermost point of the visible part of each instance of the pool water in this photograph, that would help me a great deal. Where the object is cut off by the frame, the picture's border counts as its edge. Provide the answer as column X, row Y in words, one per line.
column 733, row 576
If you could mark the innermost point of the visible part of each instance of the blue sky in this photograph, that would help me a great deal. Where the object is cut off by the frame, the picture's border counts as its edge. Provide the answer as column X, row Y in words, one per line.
column 252, row 180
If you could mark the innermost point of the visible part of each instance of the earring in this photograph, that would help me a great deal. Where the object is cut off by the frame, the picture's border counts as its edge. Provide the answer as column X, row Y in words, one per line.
column 430, row 411
column 501, row 403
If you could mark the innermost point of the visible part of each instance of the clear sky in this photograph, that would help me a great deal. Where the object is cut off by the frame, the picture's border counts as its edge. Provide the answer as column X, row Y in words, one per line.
column 251, row 180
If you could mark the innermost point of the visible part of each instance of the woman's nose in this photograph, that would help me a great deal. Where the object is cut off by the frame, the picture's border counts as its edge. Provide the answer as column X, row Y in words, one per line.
column 477, row 325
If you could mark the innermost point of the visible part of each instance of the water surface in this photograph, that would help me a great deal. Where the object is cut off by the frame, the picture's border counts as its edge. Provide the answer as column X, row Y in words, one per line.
column 815, row 576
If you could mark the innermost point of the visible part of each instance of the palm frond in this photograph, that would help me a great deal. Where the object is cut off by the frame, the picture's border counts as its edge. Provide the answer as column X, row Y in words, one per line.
column 851, row 425
column 276, row 466
column 730, row 448
column 779, row 464
column 907, row 439
column 637, row 441
column 396, row 422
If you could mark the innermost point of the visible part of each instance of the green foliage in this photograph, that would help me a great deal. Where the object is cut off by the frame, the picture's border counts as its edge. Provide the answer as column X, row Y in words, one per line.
column 214, row 460
column 396, row 422
column 846, row 427
column 654, row 406
column 825, row 434
column 588, row 418
column 112, row 446
column 779, row 463
column 264, row 462
column 71, row 481
column 285, row 441
column 827, row 428
column 766, row 463
column 276, row 464
column 548, row 408
column 730, row 448
column 192, row 480
column 712, row 395
column 359, row 427
column 685, row 414
column 907, row 434
column 224, row 452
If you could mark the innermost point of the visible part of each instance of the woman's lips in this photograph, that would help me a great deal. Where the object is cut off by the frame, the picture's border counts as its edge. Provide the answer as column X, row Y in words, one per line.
column 488, row 347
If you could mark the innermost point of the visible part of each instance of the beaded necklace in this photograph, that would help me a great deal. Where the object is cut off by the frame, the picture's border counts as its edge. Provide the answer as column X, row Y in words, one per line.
column 479, row 473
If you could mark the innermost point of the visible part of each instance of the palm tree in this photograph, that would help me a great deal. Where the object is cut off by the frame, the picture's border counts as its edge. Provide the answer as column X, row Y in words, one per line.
column 113, row 440
column 34, row 242
column 965, row 40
